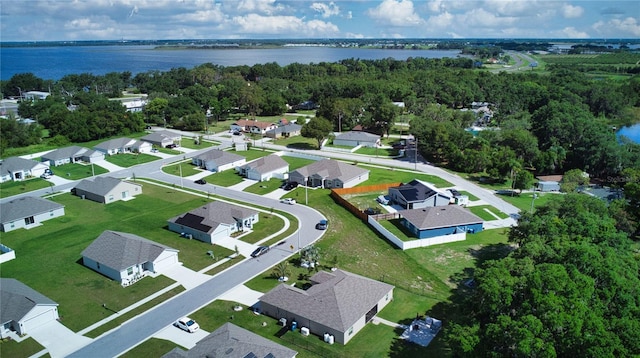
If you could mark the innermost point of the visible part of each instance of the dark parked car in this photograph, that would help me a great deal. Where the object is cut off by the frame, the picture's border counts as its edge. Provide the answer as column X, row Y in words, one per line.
column 171, row 146
column 259, row 251
column 290, row 185
column 372, row 211
column 322, row 225
column 201, row 181
column 236, row 133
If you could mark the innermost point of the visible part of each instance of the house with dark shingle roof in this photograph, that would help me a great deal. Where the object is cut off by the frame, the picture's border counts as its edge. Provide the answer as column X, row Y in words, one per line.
column 162, row 138
column 217, row 160
column 23, row 309
column 265, row 168
column 357, row 138
column 231, row 341
column 123, row 145
column 214, row 221
column 27, row 212
column 284, row 131
column 442, row 220
column 106, row 190
column 18, row 169
column 339, row 303
column 418, row 194
column 328, row 173
column 126, row 257
column 64, row 155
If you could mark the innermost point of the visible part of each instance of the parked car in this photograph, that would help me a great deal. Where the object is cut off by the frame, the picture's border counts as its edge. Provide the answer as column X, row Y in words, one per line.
column 201, row 181
column 290, row 185
column 154, row 150
column 259, row 251
column 372, row 211
column 237, row 133
column 187, row 324
column 45, row 176
column 322, row 225
column 289, row 201
column 171, row 146
column 382, row 200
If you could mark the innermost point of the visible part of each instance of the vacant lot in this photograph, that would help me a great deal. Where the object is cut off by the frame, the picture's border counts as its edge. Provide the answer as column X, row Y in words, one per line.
column 12, row 188
column 127, row 160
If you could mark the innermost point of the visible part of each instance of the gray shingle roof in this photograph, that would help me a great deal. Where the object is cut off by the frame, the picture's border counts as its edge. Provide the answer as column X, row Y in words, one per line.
column 332, row 169
column 208, row 217
column 63, row 153
column 160, row 136
column 231, row 341
column 337, row 300
column 267, row 164
column 17, row 299
column 120, row 250
column 114, row 143
column 219, row 156
column 440, row 216
column 99, row 185
column 359, row 136
column 287, row 128
column 13, row 164
column 21, row 208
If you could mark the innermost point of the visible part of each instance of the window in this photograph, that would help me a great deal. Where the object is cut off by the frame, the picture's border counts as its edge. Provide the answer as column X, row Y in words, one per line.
column 350, row 331
column 130, row 271
column 98, row 265
column 30, row 220
column 110, row 197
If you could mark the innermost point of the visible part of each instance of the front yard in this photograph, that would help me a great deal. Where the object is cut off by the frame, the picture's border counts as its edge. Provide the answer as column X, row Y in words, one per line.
column 12, row 188
column 127, row 160
column 75, row 171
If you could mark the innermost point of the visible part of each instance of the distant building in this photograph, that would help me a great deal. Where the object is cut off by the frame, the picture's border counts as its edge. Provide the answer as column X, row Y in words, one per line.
column 35, row 95
column 64, row 155
column 106, row 190
column 442, row 220
column 357, row 138
column 217, row 160
column 265, row 168
column 284, row 131
column 418, row 194
column 328, row 173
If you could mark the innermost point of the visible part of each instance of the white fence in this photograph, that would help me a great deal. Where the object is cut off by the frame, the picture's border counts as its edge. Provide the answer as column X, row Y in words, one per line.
column 406, row 245
column 8, row 254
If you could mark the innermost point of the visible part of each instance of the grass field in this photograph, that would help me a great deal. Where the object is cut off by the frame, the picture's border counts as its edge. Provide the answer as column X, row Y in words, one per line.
column 12, row 188
column 481, row 211
column 379, row 175
column 264, row 187
column 25, row 348
column 226, row 178
column 127, row 160
column 75, row 171
column 295, row 162
column 183, row 168
column 190, row 143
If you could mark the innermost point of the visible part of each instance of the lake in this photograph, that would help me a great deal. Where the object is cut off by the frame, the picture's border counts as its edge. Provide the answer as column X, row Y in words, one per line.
column 631, row 132
column 57, row 61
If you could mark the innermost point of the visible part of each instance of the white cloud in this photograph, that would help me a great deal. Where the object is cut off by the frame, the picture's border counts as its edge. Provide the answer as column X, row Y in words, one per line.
column 514, row 7
column 572, row 33
column 441, row 21
column 267, row 7
column 571, row 12
column 327, row 10
column 213, row 15
column 92, row 27
column 396, row 13
column 283, row 25
column 349, row 15
column 616, row 27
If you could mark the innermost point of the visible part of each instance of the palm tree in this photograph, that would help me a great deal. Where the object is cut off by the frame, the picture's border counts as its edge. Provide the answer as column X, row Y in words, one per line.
column 281, row 270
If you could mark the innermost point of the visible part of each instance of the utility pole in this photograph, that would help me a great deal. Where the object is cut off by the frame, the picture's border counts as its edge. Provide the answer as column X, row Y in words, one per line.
column 416, row 148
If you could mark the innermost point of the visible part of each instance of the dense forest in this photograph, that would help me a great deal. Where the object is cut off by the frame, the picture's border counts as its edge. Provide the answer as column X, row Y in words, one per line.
column 570, row 284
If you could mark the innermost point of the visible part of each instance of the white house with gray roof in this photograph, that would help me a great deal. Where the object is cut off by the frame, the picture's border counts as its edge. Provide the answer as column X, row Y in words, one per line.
column 328, row 173
column 64, row 155
column 126, row 258
column 339, row 303
column 106, row 190
column 231, row 341
column 27, row 212
column 123, row 145
column 357, row 138
column 284, row 131
column 441, row 220
column 217, row 160
column 162, row 138
column 214, row 221
column 23, row 309
column 265, row 168
column 18, row 169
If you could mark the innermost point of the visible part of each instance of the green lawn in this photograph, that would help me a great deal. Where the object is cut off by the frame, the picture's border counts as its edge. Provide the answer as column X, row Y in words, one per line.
column 26, row 348
column 379, row 175
column 267, row 224
column 12, row 188
column 58, row 243
column 264, row 187
column 169, row 151
column 295, row 162
column 297, row 142
column 153, row 347
column 184, row 168
column 253, row 153
column 190, row 143
column 471, row 196
column 127, row 160
column 481, row 211
column 226, row 178
column 378, row 152
column 75, row 171
column 524, row 201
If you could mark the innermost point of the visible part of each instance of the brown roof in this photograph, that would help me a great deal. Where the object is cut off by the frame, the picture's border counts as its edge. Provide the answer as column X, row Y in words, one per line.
column 337, row 299
column 557, row 178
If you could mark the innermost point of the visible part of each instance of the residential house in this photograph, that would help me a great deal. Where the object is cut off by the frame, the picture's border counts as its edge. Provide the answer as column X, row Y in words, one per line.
column 216, row 160
column 284, row 131
column 265, row 168
column 418, row 194
column 123, row 145
column 18, row 169
column 106, row 190
column 328, row 173
column 231, row 341
column 126, row 258
column 357, row 138
column 214, row 221
column 162, row 138
column 549, row 182
column 252, row 126
column 92, row 156
column 23, row 309
column 36, row 95
column 338, row 303
column 441, row 220
column 27, row 212
column 64, row 155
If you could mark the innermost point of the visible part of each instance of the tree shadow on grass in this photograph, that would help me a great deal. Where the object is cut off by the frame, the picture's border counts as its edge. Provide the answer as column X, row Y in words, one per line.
column 302, row 146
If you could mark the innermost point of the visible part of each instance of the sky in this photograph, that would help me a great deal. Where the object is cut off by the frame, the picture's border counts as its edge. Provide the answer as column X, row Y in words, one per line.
column 74, row 20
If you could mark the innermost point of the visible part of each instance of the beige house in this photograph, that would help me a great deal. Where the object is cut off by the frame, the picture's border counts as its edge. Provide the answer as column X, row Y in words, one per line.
column 106, row 189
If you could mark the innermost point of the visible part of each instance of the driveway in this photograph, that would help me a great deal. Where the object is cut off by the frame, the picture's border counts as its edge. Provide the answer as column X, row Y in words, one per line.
column 108, row 166
column 186, row 277
column 58, row 339
column 180, row 337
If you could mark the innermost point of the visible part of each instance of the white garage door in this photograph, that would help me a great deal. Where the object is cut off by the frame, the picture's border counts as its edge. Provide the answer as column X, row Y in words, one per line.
column 165, row 262
column 38, row 320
